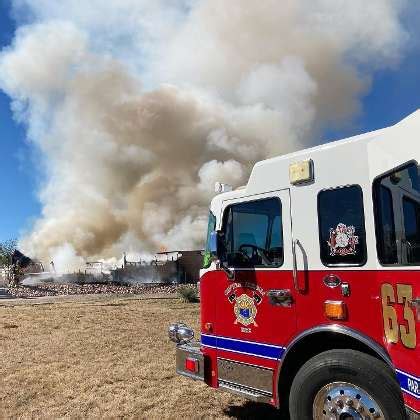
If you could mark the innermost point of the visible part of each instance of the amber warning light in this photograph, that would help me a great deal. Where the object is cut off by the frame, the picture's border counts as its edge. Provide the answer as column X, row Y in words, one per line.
column 335, row 309
column 301, row 172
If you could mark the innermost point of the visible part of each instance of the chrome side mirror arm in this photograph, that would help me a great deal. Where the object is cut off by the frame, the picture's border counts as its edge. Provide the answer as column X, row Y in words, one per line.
column 229, row 273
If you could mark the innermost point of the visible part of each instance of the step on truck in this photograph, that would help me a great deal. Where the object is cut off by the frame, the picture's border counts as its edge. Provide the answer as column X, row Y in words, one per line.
column 310, row 293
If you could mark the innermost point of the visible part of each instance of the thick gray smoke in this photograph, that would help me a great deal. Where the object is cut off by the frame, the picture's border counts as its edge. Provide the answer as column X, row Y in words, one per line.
column 137, row 107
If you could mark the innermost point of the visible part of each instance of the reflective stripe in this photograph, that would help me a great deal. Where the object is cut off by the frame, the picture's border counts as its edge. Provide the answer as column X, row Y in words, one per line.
column 252, row 348
column 209, row 340
column 409, row 383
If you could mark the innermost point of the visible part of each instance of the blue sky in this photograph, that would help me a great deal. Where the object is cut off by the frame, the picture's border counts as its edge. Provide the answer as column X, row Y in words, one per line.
column 19, row 205
column 394, row 94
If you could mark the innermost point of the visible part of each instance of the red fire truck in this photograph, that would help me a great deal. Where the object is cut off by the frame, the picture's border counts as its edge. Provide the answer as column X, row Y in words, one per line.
column 311, row 300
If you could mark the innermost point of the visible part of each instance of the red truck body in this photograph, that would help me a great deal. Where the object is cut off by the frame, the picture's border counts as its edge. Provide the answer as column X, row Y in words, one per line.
column 319, row 253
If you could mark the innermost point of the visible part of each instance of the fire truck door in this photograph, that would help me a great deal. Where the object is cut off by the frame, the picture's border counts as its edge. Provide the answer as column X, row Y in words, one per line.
column 255, row 310
column 397, row 204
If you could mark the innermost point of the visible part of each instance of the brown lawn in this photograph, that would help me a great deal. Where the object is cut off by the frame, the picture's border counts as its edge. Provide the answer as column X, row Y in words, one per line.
column 103, row 357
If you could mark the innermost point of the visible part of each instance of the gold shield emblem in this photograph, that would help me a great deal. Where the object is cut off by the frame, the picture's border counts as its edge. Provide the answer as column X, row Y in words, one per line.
column 245, row 310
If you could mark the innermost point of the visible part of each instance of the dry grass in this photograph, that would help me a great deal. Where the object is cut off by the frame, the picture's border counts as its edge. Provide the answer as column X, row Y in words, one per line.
column 107, row 357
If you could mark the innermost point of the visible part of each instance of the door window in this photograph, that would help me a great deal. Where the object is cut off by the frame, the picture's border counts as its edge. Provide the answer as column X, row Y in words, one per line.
column 341, row 226
column 385, row 226
column 411, row 211
column 253, row 233
column 396, row 199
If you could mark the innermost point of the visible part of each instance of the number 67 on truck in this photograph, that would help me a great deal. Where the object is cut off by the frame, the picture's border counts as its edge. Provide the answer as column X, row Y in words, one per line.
column 311, row 298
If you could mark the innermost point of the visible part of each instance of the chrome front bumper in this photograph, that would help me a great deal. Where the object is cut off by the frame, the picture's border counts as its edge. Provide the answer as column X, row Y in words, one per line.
column 190, row 354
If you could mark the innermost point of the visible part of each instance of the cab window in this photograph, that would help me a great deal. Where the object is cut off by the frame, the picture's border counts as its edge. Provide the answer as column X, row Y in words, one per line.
column 253, row 233
column 342, row 236
column 396, row 197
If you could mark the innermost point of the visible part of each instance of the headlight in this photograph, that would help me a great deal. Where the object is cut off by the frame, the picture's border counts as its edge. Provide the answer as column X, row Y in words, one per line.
column 180, row 333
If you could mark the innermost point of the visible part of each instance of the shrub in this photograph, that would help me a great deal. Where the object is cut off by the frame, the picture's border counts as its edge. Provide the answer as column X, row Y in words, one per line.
column 188, row 294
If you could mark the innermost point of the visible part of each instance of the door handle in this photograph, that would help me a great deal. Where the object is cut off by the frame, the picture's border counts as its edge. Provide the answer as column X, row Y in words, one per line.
column 282, row 297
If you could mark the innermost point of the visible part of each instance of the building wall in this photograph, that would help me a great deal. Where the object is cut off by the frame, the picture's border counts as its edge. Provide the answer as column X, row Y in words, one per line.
column 185, row 269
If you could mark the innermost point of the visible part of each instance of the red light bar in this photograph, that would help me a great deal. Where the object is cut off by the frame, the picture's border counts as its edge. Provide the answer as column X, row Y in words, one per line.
column 191, row 365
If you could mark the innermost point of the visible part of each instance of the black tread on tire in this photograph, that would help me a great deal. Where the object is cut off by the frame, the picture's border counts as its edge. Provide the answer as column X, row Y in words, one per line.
column 355, row 367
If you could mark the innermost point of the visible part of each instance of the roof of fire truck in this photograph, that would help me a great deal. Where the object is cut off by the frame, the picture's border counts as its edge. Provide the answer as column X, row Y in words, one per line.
column 354, row 160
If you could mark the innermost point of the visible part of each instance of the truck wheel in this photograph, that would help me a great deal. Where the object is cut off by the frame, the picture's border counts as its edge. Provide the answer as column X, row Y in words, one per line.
column 345, row 384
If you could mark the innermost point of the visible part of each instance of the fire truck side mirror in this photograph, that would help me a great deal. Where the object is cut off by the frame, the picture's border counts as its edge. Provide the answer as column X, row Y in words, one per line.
column 213, row 243
column 217, row 251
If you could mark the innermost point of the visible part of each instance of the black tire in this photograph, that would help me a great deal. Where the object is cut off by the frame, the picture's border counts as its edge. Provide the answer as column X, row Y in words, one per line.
column 347, row 366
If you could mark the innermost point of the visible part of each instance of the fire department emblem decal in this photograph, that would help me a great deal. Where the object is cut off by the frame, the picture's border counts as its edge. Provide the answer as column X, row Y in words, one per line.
column 342, row 240
column 245, row 310
column 245, row 305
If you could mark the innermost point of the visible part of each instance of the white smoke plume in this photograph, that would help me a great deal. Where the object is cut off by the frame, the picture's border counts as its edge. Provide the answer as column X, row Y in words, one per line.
column 137, row 107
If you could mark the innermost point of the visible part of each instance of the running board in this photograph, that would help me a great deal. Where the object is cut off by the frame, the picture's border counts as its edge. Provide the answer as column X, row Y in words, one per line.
column 245, row 392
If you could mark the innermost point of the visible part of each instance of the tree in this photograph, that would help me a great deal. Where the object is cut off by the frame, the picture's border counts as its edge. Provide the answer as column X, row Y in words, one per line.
column 7, row 248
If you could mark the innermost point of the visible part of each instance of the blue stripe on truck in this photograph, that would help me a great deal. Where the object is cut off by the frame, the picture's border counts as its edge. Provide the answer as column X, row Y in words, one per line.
column 409, row 383
column 252, row 348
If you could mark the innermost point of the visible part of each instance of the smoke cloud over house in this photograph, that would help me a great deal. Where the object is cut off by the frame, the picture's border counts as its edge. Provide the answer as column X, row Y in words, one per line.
column 136, row 107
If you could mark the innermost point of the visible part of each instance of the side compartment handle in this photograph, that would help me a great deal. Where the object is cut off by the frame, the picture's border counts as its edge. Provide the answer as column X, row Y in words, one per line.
column 295, row 273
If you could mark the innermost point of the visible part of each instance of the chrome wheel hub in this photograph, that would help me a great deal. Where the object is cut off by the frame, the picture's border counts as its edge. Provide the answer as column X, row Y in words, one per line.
column 345, row 401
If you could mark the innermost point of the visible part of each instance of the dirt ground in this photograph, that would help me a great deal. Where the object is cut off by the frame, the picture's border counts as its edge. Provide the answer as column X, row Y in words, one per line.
column 103, row 357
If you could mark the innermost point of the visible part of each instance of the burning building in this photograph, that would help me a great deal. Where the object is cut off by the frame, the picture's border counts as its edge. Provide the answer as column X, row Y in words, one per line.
column 21, row 266
column 167, row 267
